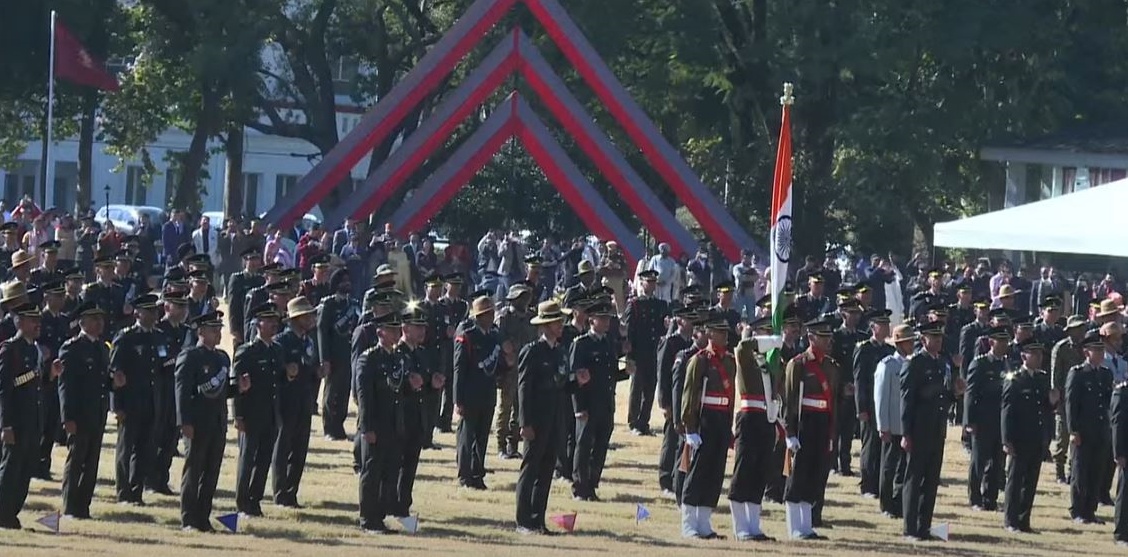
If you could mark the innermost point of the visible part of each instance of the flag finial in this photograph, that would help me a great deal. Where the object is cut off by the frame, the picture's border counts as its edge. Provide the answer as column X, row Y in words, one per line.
column 787, row 99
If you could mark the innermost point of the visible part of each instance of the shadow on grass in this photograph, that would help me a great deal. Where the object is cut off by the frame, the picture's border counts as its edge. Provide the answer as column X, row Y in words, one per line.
column 852, row 523
column 336, row 506
column 291, row 535
column 128, row 517
column 332, row 520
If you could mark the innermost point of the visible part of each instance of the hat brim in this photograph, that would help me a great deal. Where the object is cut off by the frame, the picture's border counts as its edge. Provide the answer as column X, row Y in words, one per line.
column 475, row 313
column 298, row 314
column 1110, row 312
column 538, row 320
column 893, row 341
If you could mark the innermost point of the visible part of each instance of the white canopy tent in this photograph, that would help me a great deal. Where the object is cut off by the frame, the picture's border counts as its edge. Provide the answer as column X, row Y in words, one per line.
column 1068, row 224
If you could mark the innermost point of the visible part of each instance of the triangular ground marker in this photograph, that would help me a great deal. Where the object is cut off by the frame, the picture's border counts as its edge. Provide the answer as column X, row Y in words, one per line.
column 410, row 523
column 565, row 521
column 229, row 521
column 641, row 513
column 941, row 531
column 50, row 521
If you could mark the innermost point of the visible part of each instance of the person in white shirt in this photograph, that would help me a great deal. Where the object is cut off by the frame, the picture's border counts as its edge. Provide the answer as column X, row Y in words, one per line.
column 667, row 273
column 205, row 240
column 887, row 412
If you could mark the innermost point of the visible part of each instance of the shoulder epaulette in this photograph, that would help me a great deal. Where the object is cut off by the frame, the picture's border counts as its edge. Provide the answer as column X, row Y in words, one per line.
column 1010, row 376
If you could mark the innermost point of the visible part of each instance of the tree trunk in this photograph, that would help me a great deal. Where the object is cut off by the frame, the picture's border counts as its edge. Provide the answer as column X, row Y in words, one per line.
column 233, row 178
column 83, row 199
column 187, row 195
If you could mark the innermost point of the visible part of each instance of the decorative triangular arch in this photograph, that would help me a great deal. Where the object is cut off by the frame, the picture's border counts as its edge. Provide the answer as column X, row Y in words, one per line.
column 437, row 64
column 516, row 55
column 515, row 118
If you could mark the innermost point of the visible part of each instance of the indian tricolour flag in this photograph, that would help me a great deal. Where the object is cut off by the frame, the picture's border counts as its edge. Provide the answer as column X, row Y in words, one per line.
column 781, row 222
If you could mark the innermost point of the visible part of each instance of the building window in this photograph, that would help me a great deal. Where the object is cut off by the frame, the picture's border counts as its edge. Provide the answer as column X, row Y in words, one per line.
column 136, row 190
column 250, row 193
column 283, row 185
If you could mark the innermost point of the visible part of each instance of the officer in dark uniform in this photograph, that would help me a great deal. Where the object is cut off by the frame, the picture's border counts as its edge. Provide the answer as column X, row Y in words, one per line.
column 967, row 343
column 258, row 295
column 677, row 390
column 203, row 384
column 585, row 272
column 411, row 386
column 845, row 340
column 927, row 390
column 455, row 310
column 792, row 346
column 48, row 269
column 566, row 453
column 432, row 352
column 1049, row 330
column 983, row 404
column 337, row 317
column 962, row 311
column 20, row 365
column 814, row 303
column 258, row 365
column 54, row 329
column 543, row 384
column 708, row 399
column 108, row 295
column 478, row 362
column 302, row 367
column 377, row 402
column 174, row 329
column 668, row 349
column 934, row 295
column 240, row 285
column 364, row 337
column 10, row 245
column 1118, row 416
column 731, row 314
column 594, row 354
column 865, row 358
column 74, row 281
column 1028, row 404
column 84, row 389
column 199, row 302
column 135, row 354
column 1088, row 392
column 125, row 277
column 319, row 287
column 645, row 319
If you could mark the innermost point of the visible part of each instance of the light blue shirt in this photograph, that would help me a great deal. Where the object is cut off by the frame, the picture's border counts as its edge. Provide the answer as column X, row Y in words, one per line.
column 1118, row 365
column 887, row 393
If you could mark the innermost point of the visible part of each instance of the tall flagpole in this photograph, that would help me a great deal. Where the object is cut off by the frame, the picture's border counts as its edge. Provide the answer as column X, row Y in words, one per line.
column 49, row 162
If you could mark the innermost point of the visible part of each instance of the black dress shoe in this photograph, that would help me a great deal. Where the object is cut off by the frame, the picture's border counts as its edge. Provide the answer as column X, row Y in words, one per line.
column 13, row 524
column 162, row 490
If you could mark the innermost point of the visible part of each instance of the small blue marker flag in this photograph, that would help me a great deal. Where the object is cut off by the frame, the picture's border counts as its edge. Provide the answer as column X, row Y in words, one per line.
column 50, row 521
column 641, row 513
column 229, row 521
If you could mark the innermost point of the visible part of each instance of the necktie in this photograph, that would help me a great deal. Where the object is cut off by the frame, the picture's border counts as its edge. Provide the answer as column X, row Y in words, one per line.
column 204, row 234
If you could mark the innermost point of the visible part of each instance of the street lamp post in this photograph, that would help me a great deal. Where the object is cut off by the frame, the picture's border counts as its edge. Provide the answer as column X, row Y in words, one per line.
column 107, row 206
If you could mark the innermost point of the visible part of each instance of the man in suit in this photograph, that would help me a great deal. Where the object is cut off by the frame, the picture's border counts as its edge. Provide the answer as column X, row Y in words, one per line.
column 342, row 235
column 174, row 233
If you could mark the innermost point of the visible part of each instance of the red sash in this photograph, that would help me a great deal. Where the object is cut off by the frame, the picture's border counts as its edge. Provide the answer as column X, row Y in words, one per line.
column 816, row 370
column 715, row 360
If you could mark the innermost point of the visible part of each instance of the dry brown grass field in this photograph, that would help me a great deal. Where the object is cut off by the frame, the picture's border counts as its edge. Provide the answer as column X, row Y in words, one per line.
column 454, row 519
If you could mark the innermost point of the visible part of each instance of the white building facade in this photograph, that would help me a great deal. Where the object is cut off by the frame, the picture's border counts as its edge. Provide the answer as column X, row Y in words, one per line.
column 272, row 166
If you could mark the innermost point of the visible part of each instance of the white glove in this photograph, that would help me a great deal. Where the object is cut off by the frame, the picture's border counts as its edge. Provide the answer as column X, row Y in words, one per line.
column 693, row 440
column 793, row 444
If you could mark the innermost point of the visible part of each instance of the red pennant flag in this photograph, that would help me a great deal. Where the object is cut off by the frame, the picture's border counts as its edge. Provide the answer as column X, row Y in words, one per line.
column 75, row 64
column 565, row 521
